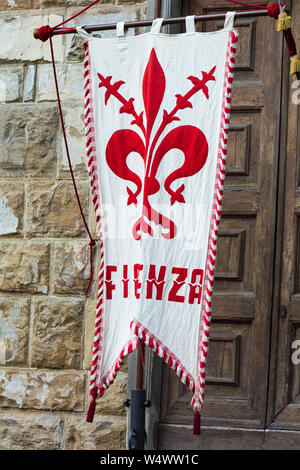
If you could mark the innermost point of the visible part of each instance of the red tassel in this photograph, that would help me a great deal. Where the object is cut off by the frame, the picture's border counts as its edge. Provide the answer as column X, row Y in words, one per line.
column 91, row 410
column 197, row 423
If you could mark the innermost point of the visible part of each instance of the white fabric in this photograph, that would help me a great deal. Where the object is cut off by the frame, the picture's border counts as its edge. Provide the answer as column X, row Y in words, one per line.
column 82, row 32
column 143, row 80
column 156, row 25
column 190, row 24
column 120, row 28
column 229, row 20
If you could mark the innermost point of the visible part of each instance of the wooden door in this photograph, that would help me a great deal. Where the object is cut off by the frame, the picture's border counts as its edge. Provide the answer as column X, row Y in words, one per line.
column 283, row 418
column 234, row 415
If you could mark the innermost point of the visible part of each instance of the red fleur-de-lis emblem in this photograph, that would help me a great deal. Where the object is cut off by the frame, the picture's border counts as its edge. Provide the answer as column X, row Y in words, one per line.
column 189, row 139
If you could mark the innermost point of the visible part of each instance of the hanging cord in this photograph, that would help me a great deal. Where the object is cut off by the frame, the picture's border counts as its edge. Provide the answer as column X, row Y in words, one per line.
column 283, row 23
column 257, row 7
column 273, row 9
column 92, row 241
column 46, row 32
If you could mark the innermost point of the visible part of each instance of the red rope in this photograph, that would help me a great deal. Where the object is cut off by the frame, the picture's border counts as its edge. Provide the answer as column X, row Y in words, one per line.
column 273, row 9
column 77, row 14
column 248, row 4
column 274, row 12
column 92, row 241
column 46, row 32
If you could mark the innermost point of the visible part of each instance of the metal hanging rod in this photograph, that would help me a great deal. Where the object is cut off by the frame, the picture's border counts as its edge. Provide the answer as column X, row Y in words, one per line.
column 136, row 24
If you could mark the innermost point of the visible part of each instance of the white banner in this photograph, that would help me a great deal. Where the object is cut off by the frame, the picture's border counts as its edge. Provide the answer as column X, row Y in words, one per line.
column 157, row 118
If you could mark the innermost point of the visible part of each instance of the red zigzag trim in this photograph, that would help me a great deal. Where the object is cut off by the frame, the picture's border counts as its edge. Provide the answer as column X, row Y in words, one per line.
column 198, row 398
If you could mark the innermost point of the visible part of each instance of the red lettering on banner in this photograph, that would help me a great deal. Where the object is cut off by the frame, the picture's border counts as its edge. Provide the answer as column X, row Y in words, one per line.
column 108, row 282
column 137, row 285
column 196, row 289
column 158, row 283
column 156, row 278
column 125, row 281
column 180, row 281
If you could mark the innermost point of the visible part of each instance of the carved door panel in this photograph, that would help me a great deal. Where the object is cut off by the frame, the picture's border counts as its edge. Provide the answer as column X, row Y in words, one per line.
column 238, row 360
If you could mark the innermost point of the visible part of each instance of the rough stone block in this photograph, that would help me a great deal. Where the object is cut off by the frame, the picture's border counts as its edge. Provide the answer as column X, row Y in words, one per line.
column 74, row 124
column 24, row 266
column 28, row 136
column 41, row 390
column 17, row 41
column 74, row 51
column 57, row 333
column 11, row 208
column 103, row 14
column 14, row 4
column 11, row 83
column 65, row 3
column 112, row 402
column 52, row 209
column 70, row 81
column 14, row 330
column 30, row 431
column 29, row 84
column 71, row 267
column 105, row 433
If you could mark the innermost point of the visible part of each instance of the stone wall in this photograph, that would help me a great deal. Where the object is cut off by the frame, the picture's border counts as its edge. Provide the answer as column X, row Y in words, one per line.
column 46, row 324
